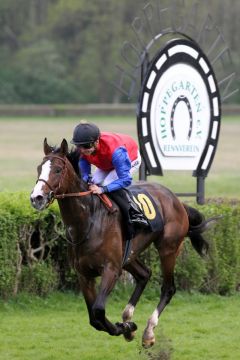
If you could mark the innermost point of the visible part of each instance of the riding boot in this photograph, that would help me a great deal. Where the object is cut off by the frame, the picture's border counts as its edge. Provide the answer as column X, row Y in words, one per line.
column 132, row 215
column 136, row 215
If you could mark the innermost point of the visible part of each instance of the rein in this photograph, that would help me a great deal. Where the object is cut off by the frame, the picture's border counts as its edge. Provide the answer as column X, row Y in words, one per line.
column 63, row 196
column 103, row 197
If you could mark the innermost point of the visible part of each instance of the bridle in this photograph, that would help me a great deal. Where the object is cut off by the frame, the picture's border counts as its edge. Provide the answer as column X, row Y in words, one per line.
column 54, row 193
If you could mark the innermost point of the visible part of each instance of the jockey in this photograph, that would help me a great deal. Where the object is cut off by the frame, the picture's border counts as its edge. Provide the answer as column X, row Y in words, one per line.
column 116, row 158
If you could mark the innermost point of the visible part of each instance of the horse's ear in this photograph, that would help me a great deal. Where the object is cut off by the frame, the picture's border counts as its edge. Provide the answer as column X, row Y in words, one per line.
column 46, row 148
column 64, row 147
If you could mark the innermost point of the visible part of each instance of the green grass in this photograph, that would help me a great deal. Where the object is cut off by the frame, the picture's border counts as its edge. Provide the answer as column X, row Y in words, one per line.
column 21, row 151
column 193, row 327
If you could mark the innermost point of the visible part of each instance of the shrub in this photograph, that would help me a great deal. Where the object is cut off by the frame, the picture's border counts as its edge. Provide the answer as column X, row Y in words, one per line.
column 223, row 264
column 32, row 247
column 39, row 279
column 190, row 269
column 8, row 254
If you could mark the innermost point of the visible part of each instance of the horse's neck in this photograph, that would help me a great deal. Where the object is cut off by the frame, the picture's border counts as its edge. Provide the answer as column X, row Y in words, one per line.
column 76, row 184
column 75, row 209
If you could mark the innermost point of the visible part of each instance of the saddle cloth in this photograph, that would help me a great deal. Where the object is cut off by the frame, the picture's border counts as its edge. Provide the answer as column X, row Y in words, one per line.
column 148, row 206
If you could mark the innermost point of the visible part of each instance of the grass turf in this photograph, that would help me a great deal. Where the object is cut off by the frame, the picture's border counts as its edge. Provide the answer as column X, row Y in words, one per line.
column 192, row 327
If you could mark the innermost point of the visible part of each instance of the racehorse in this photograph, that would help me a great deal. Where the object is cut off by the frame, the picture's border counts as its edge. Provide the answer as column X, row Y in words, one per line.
column 97, row 239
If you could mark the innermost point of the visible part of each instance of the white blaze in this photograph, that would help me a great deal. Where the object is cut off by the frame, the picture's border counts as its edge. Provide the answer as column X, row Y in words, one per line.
column 45, row 176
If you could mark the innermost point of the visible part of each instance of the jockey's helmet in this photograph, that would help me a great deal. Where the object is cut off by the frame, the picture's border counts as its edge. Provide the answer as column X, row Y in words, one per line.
column 85, row 133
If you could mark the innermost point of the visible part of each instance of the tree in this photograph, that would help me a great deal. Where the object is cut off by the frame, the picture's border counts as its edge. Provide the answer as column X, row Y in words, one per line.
column 66, row 51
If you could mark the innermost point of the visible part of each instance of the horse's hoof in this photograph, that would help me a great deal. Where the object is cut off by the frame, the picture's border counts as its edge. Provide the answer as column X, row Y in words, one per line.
column 129, row 337
column 128, row 330
column 147, row 343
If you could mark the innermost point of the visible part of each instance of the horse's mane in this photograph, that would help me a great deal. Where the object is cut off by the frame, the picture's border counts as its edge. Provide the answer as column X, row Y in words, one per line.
column 73, row 157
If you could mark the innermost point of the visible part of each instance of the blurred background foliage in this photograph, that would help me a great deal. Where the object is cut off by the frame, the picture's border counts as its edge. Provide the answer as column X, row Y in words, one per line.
column 57, row 51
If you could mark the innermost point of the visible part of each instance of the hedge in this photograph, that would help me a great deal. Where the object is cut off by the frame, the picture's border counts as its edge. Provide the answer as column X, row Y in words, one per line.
column 33, row 251
column 32, row 248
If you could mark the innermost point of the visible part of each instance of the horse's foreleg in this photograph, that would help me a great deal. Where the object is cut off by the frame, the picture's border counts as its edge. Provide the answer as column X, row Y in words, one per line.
column 141, row 274
column 167, row 291
column 89, row 292
column 108, row 280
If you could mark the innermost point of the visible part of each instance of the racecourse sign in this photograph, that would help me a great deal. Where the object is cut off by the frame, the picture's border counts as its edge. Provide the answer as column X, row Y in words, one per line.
column 179, row 110
column 179, row 105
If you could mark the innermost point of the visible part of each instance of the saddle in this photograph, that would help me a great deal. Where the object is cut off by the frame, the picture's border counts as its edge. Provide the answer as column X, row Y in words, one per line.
column 138, row 208
column 148, row 206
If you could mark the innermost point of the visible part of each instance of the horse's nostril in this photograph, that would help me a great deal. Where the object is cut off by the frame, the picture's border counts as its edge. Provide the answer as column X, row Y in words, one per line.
column 36, row 199
column 37, row 202
column 39, row 198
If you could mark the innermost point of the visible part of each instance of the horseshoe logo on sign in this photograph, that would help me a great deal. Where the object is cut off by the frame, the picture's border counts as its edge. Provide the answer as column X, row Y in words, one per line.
column 186, row 101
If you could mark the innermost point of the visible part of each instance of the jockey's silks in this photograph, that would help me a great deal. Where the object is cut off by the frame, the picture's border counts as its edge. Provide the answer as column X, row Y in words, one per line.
column 108, row 143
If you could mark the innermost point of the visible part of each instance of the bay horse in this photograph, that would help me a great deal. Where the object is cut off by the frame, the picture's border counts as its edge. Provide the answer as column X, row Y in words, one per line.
column 97, row 243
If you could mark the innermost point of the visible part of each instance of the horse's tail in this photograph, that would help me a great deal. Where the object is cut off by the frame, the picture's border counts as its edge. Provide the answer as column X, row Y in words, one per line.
column 197, row 225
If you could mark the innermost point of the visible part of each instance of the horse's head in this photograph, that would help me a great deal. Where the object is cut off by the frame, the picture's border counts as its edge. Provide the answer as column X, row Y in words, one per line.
column 51, row 175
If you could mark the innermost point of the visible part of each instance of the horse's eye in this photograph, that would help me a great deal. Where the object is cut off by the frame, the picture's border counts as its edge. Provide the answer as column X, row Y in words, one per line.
column 58, row 170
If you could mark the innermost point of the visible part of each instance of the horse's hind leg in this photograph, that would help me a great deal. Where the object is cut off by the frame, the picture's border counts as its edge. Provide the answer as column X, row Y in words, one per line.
column 167, row 291
column 141, row 274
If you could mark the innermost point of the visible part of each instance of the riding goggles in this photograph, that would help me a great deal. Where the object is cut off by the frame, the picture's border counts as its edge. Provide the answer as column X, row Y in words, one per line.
column 86, row 146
